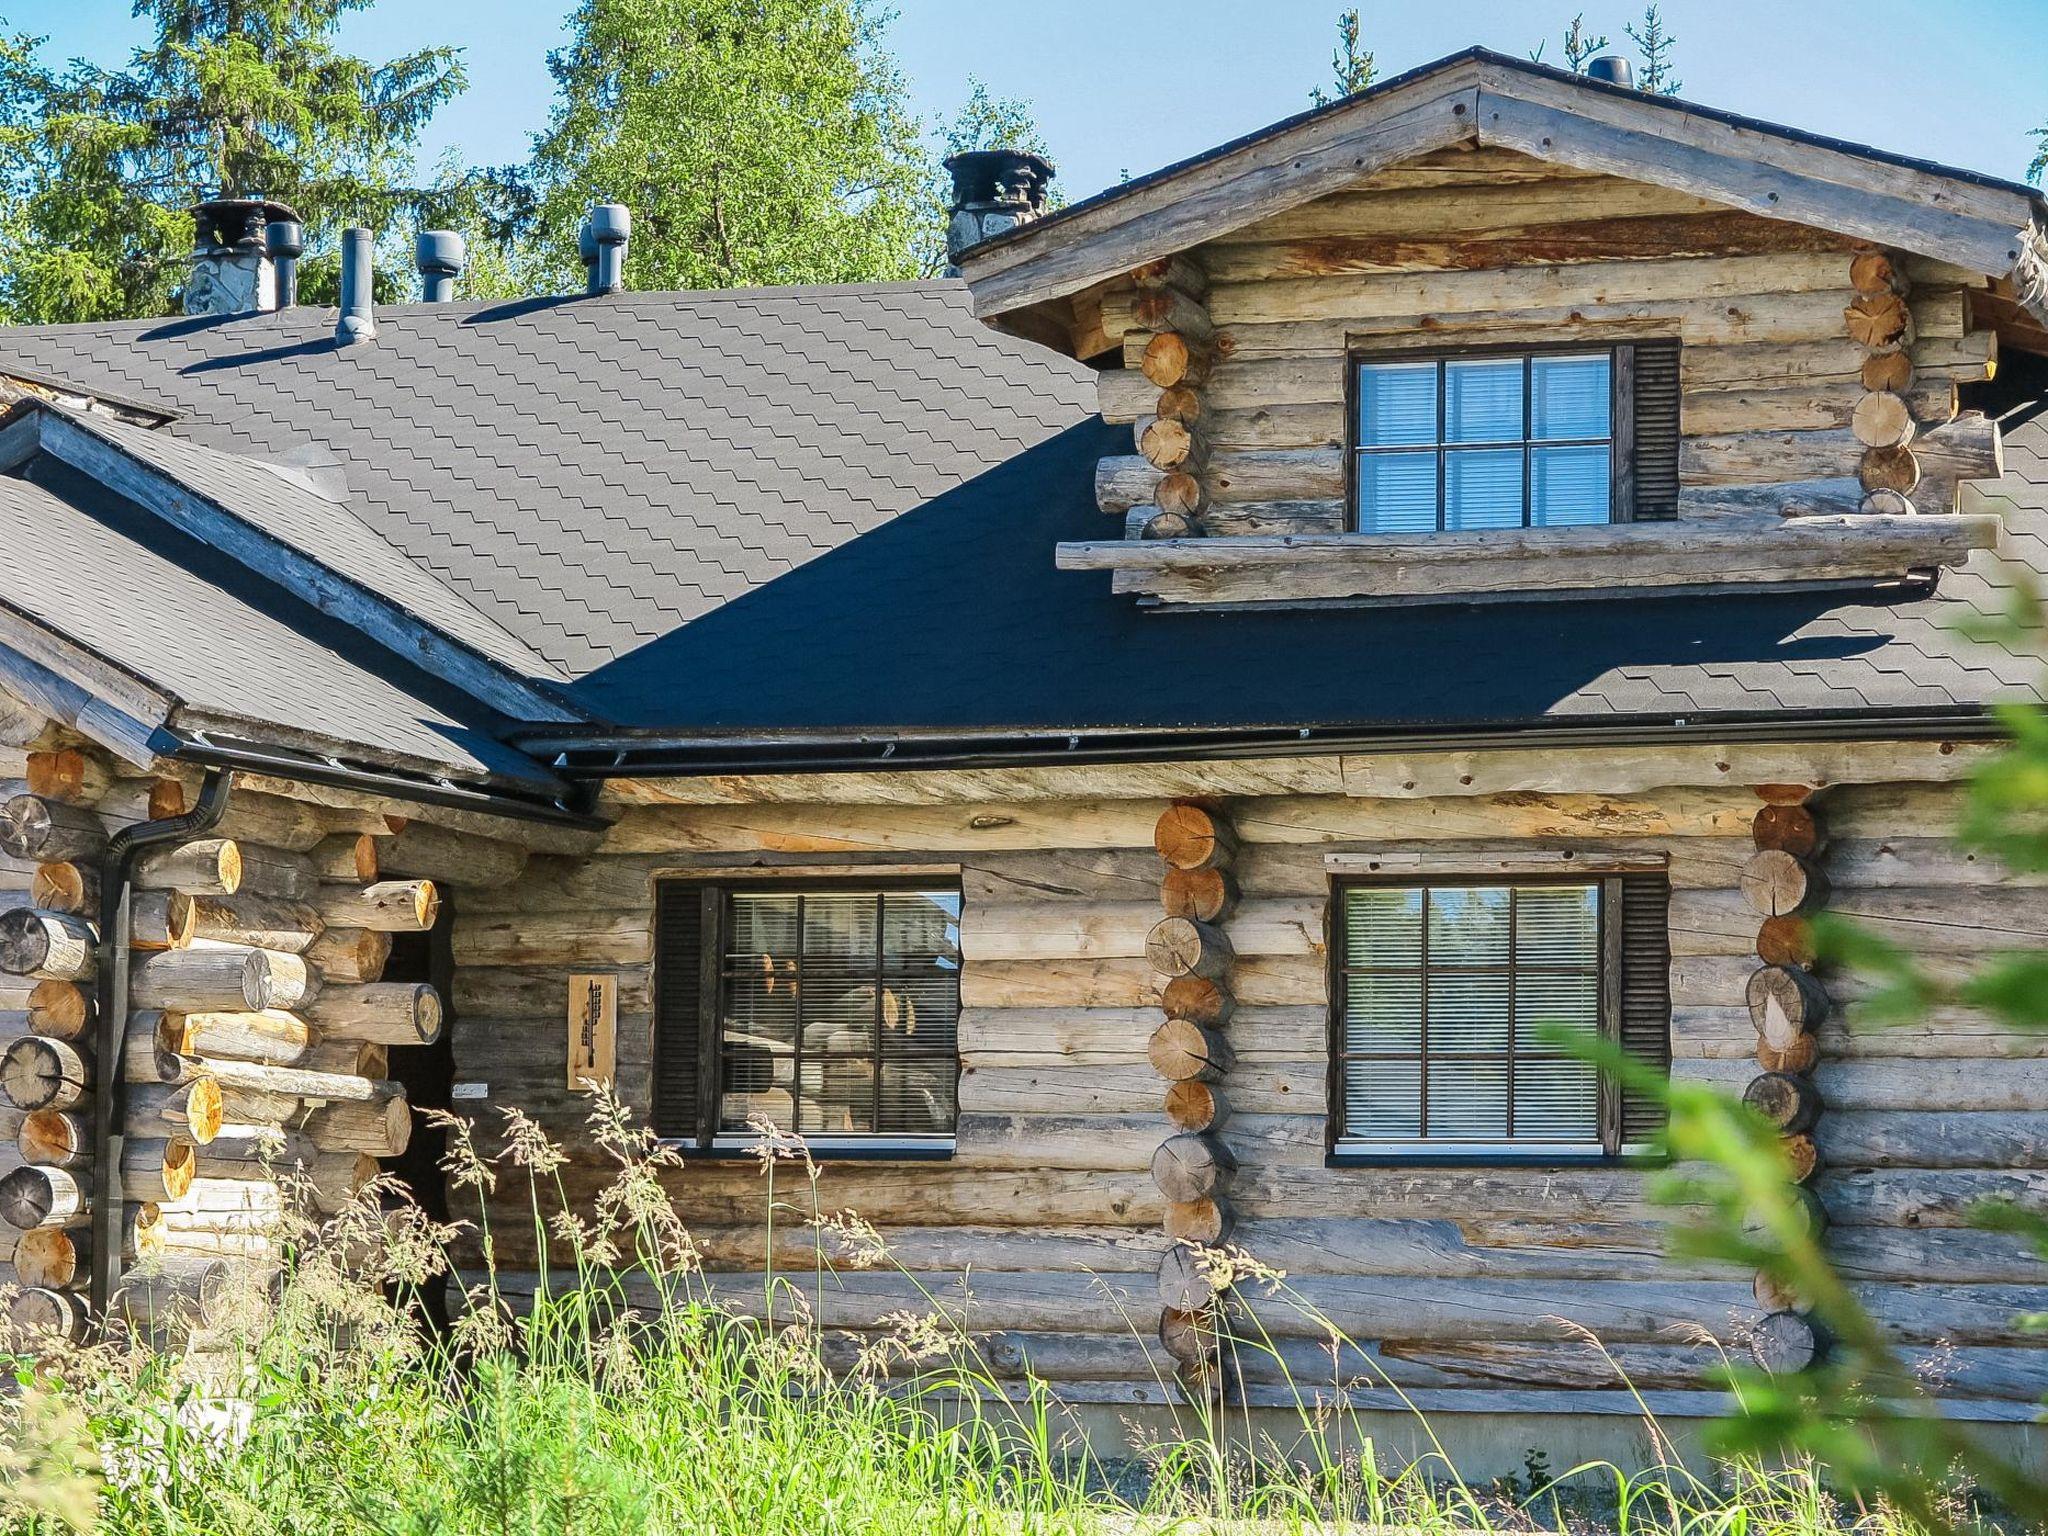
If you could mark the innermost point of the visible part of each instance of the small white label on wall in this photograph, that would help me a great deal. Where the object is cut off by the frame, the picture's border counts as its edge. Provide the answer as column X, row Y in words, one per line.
column 461, row 1091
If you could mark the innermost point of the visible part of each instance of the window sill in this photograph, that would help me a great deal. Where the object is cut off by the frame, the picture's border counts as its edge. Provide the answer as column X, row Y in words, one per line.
column 1601, row 560
column 1361, row 1155
column 880, row 1149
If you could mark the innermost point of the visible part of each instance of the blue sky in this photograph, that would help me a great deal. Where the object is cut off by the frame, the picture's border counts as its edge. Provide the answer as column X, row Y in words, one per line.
column 1120, row 85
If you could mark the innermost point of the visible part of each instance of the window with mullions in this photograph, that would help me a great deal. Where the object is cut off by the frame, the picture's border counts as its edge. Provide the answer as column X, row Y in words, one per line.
column 1457, row 1003
column 1495, row 440
column 832, row 1011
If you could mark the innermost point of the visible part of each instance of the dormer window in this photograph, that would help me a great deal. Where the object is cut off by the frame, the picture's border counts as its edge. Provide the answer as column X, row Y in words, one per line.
column 1462, row 442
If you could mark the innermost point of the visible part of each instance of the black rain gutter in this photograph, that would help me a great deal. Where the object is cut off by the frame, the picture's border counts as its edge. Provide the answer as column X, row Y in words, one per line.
column 599, row 755
column 110, row 984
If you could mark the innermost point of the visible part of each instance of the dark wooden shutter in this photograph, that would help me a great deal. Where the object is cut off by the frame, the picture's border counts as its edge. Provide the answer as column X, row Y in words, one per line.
column 678, row 1008
column 1645, row 996
column 1654, row 375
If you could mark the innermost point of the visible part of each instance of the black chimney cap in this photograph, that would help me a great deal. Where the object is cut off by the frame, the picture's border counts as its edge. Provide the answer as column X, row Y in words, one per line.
column 1612, row 68
column 224, row 222
column 1008, row 177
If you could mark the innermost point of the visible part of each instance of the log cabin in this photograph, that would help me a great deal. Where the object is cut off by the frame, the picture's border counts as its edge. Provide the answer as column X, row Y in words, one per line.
column 1137, row 744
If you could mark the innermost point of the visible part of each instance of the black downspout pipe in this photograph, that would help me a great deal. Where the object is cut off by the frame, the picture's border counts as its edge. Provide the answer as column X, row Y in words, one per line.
column 110, row 985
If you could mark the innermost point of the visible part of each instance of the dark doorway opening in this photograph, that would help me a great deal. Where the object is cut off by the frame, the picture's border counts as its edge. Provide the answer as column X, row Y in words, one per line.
column 427, row 1074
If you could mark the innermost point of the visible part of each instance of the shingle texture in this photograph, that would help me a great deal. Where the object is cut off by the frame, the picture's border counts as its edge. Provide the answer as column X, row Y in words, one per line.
column 587, row 474
column 226, row 643
column 837, row 507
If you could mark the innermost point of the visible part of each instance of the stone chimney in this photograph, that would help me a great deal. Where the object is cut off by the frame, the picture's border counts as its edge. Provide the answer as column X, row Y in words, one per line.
column 234, row 269
column 993, row 190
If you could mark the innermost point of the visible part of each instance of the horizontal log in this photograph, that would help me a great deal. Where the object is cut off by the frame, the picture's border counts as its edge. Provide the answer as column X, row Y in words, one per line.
column 350, row 954
column 194, row 981
column 379, row 1125
column 59, row 1009
column 40, row 1073
column 390, row 906
column 278, row 980
column 273, row 821
column 283, row 873
column 32, row 1197
column 347, row 858
column 274, row 1036
column 47, row 945
column 210, row 866
column 66, row 885
column 158, row 1168
column 160, row 920
column 387, row 1013
column 190, row 1111
column 45, row 831
column 54, row 1137
column 75, row 775
column 256, row 921
column 454, row 858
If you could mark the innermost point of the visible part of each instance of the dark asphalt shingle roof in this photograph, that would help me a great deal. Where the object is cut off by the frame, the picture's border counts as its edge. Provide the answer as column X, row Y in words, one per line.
column 226, row 643
column 836, row 507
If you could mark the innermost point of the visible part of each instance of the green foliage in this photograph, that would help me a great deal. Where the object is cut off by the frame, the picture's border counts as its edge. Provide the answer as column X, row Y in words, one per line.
column 2039, row 163
column 1351, row 65
column 756, row 142
column 1655, row 45
column 1580, row 46
column 984, row 121
column 231, row 97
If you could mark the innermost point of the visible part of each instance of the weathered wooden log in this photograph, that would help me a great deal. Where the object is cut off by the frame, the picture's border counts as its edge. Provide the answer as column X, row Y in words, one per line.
column 175, row 1293
column 1176, row 271
column 158, row 1168
column 32, row 1197
column 1784, row 1004
column 458, row 859
column 37, row 1072
column 1206, row 895
column 40, row 1313
column 355, row 1058
column 1172, row 445
column 59, row 1009
column 1186, row 1283
column 1887, row 370
column 1197, row 1106
column 1171, row 358
column 194, row 981
column 1875, row 272
column 1199, row 1000
column 1180, row 946
column 74, row 775
column 390, row 906
column 1790, row 1103
column 1792, row 828
column 1887, row 504
column 47, row 831
column 1208, row 1222
column 380, row 1126
column 1193, row 837
column 1180, row 404
column 257, row 921
column 51, row 945
column 1784, row 1343
column 1170, row 525
column 47, row 1257
column 274, row 821
column 193, row 1111
column 1803, row 1156
column 207, row 866
column 1180, row 494
column 55, row 1138
column 257, row 1106
column 276, row 980
column 1882, row 322
column 1188, row 1335
column 280, row 1082
column 1773, row 1295
column 1124, row 481
column 386, row 1012
column 350, row 954
column 1192, row 1166
column 1180, row 1051
column 1162, row 310
column 1785, row 941
column 1889, row 469
column 1779, row 884
column 150, row 799
column 66, row 885
column 273, row 1035
column 159, row 920
column 268, row 871
column 1800, row 1056
column 350, row 858
column 1882, row 420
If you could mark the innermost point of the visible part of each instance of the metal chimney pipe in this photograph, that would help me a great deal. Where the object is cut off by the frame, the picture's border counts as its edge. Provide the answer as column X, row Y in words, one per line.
column 439, row 255
column 358, row 274
column 284, row 240
column 609, row 227
column 1612, row 68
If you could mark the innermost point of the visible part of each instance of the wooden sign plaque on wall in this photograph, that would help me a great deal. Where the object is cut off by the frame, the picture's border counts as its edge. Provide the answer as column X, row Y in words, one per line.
column 593, row 1030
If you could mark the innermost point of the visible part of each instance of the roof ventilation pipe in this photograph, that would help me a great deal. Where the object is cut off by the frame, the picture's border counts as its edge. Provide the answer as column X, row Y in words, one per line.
column 1612, row 68
column 440, row 255
column 284, row 240
column 357, row 275
column 603, row 244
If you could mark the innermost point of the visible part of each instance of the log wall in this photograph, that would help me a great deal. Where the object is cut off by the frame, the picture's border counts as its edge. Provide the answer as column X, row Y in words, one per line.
column 1450, row 1278
column 1787, row 333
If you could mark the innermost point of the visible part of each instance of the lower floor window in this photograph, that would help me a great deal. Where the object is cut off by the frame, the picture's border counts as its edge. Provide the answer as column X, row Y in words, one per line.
column 828, row 1010
column 1458, row 1005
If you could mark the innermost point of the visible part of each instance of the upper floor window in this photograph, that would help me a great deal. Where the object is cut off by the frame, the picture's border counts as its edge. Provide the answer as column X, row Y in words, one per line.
column 831, row 1010
column 1457, row 1002
column 1525, row 439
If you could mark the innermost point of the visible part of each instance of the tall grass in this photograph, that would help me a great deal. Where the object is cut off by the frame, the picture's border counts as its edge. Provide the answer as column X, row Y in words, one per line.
column 624, row 1398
